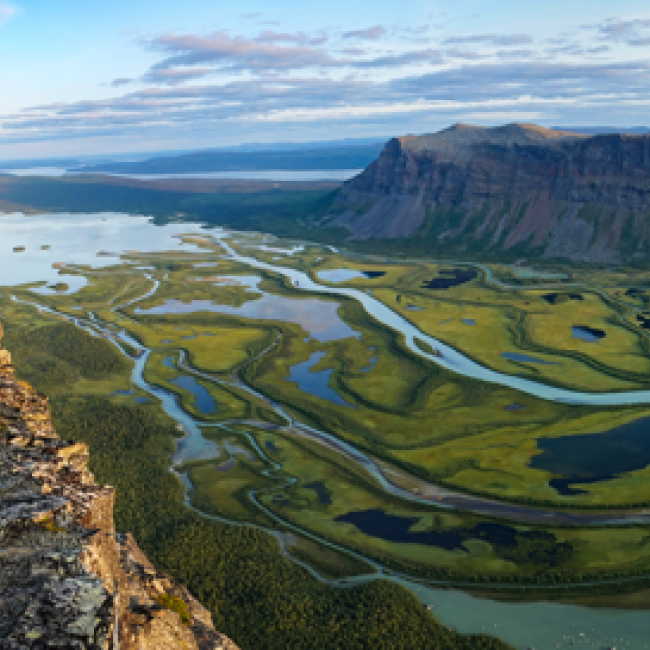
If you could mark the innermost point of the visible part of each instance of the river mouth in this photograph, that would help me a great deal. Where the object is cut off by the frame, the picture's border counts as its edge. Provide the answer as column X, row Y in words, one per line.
column 595, row 457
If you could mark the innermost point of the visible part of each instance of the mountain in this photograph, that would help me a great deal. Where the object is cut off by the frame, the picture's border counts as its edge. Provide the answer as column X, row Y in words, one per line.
column 514, row 190
column 339, row 157
column 600, row 130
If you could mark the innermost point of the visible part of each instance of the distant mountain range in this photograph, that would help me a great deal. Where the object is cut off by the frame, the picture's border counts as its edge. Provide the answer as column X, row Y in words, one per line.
column 339, row 157
column 602, row 130
column 518, row 190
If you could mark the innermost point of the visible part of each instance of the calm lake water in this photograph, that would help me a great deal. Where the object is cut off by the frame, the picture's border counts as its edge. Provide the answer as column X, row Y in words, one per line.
column 343, row 275
column 317, row 317
column 594, row 457
column 315, row 382
column 271, row 175
column 75, row 239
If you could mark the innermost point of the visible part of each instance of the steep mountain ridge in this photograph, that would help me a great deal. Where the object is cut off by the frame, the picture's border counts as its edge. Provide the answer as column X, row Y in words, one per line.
column 67, row 578
column 518, row 189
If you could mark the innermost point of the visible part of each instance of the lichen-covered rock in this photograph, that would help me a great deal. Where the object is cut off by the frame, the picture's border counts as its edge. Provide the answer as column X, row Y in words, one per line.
column 67, row 578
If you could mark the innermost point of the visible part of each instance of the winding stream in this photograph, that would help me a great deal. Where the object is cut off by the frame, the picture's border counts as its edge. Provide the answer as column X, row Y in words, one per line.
column 519, row 624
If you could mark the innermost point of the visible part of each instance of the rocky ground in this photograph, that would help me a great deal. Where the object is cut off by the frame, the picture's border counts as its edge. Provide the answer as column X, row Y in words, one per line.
column 67, row 578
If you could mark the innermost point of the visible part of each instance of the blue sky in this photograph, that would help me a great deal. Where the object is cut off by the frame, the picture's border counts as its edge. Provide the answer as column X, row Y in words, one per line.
column 92, row 77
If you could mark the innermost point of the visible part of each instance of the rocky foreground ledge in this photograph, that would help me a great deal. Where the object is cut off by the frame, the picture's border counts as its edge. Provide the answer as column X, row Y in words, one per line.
column 67, row 578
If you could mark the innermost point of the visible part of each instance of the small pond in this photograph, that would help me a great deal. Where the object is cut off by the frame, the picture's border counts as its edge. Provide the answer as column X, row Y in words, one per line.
column 203, row 401
column 448, row 278
column 586, row 333
column 502, row 538
column 323, row 494
column 315, row 383
column 343, row 275
column 318, row 317
column 559, row 298
column 594, row 457
column 468, row 321
column 525, row 358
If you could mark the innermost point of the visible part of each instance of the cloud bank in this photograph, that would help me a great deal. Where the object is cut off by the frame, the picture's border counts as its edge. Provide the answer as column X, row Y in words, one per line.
column 377, row 78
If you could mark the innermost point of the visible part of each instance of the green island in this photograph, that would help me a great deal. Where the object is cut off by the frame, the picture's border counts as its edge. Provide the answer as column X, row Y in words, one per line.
column 314, row 407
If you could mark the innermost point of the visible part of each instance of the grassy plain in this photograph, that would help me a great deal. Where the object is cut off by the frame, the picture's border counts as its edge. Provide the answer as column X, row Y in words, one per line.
column 417, row 418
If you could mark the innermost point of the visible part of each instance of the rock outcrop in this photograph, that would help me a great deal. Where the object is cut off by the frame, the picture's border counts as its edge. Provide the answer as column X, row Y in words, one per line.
column 518, row 188
column 67, row 578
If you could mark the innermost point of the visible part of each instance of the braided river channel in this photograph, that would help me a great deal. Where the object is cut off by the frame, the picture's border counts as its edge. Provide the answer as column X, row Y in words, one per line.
column 76, row 240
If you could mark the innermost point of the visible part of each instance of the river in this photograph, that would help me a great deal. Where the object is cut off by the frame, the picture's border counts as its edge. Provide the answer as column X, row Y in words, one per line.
column 540, row 625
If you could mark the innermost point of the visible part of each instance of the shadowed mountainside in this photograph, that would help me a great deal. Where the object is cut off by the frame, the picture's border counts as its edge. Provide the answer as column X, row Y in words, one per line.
column 514, row 190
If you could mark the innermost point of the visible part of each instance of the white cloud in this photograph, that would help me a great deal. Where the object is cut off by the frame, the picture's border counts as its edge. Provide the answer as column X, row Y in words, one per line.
column 7, row 11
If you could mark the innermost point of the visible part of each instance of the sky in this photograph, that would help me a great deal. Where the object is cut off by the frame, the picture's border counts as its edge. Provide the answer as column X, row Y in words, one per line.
column 90, row 77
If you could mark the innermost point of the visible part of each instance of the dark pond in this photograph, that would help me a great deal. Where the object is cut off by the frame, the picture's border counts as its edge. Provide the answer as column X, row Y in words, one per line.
column 143, row 400
column 559, row 298
column 123, row 392
column 315, row 383
column 323, row 494
column 393, row 528
column 514, row 407
column 169, row 363
column 644, row 321
column 586, row 333
column 469, row 321
column 594, row 457
column 456, row 277
column 515, row 356
column 532, row 547
column 635, row 292
column 411, row 307
column 202, row 398
column 271, row 446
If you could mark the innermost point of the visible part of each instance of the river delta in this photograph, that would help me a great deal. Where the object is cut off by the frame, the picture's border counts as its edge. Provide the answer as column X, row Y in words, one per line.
column 424, row 423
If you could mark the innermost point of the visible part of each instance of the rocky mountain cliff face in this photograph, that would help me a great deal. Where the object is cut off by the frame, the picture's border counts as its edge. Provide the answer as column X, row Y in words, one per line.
column 518, row 189
column 67, row 579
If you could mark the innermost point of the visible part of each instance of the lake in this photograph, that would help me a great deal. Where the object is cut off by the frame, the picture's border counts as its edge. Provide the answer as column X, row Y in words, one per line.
column 271, row 175
column 315, row 383
column 318, row 317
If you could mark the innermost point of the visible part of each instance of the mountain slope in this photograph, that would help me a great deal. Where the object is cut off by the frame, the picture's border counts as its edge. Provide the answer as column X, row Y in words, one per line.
column 518, row 189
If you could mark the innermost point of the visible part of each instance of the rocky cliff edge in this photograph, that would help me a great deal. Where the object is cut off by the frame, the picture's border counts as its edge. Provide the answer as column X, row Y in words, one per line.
column 517, row 188
column 67, row 578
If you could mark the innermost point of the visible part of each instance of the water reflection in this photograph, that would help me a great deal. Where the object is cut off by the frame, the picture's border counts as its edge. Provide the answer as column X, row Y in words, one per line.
column 318, row 317
column 315, row 383
column 75, row 239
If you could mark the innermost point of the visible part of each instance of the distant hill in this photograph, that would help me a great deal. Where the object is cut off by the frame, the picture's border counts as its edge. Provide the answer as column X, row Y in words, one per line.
column 603, row 130
column 507, row 192
column 321, row 158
